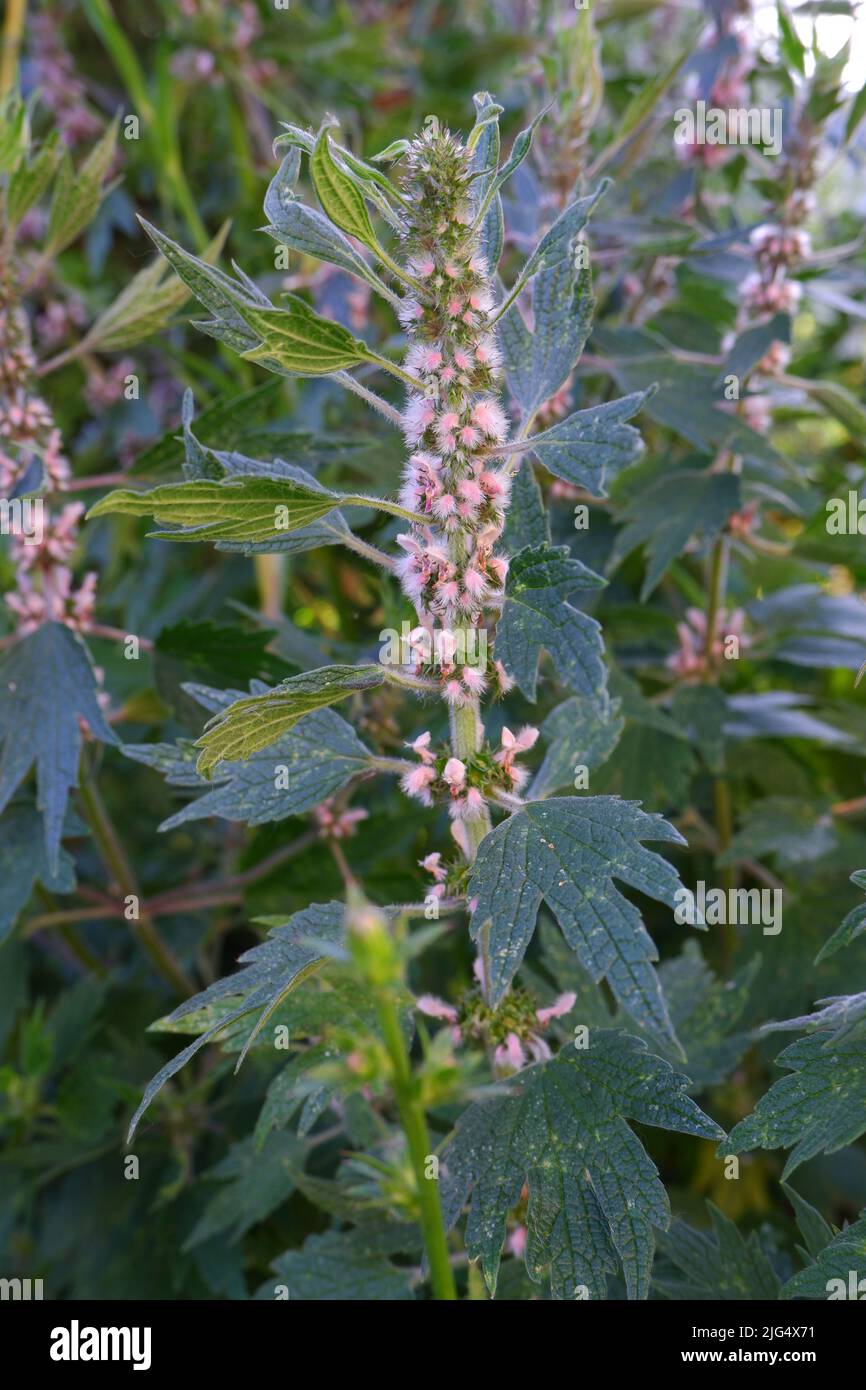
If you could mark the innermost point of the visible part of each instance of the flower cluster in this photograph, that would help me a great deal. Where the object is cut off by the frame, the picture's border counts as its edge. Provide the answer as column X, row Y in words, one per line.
column 466, row 785
column 335, row 824
column 513, row 1032
column 689, row 662
column 459, row 662
column 27, row 429
column 452, row 422
column 46, row 589
column 235, row 34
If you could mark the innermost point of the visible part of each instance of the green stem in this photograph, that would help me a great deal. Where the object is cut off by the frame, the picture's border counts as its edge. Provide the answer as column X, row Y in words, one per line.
column 114, row 857
column 725, row 829
column 467, row 732
column 418, row 1141
column 13, row 34
column 715, row 600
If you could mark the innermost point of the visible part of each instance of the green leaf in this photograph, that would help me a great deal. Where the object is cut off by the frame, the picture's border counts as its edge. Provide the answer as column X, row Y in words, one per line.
column 271, row 969
column 821, row 1106
column 566, row 852
column 842, row 1261
column 700, row 712
column 795, row 832
column 594, row 1193
column 144, row 307
column 853, row 926
column 535, row 614
column 305, row 230
column 705, row 1010
column 792, row 49
column 723, row 1265
column 77, row 196
column 47, row 684
column 259, row 720
column 519, row 150
column 340, row 199
column 538, row 362
column 335, row 1267
column 581, row 732
column 299, row 340
column 557, row 247
column 24, row 862
column 855, row 114
column 840, row 404
column 484, row 141
column 668, row 514
column 646, row 99
column 593, row 444
column 220, row 294
column 255, row 1181
column 687, row 399
column 816, row 1232
column 29, row 181
column 753, row 344
column 224, row 423
column 240, row 508
column 300, row 770
column 526, row 518
column 291, row 1088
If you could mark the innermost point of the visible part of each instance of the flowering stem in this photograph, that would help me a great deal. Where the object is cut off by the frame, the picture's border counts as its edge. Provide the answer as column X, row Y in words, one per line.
column 418, row 1141
column 467, row 732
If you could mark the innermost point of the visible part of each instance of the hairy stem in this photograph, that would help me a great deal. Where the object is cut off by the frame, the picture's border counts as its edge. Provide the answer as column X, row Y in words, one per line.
column 418, row 1140
column 467, row 733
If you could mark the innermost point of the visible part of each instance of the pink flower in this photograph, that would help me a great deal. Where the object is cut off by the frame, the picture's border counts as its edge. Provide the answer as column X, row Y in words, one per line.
column 436, row 1008
column 510, row 1053
column 417, row 416
column 470, row 491
column 489, row 417
column 563, row 1005
column 454, row 773
column 417, row 782
column 461, row 839
column 432, row 864
column 421, row 747
column 481, row 300
column 474, row 582
column 503, row 680
column 516, row 1243
column 474, row 680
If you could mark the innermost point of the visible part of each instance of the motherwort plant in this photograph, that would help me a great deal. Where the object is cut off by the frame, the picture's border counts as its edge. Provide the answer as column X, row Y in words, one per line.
column 471, row 566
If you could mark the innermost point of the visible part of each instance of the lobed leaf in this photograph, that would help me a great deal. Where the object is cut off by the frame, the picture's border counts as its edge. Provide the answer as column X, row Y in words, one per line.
column 535, row 614
column 566, row 852
column 594, row 1193
column 47, row 685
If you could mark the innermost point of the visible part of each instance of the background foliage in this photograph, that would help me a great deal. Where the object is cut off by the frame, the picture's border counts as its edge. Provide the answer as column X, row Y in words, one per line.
column 719, row 525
